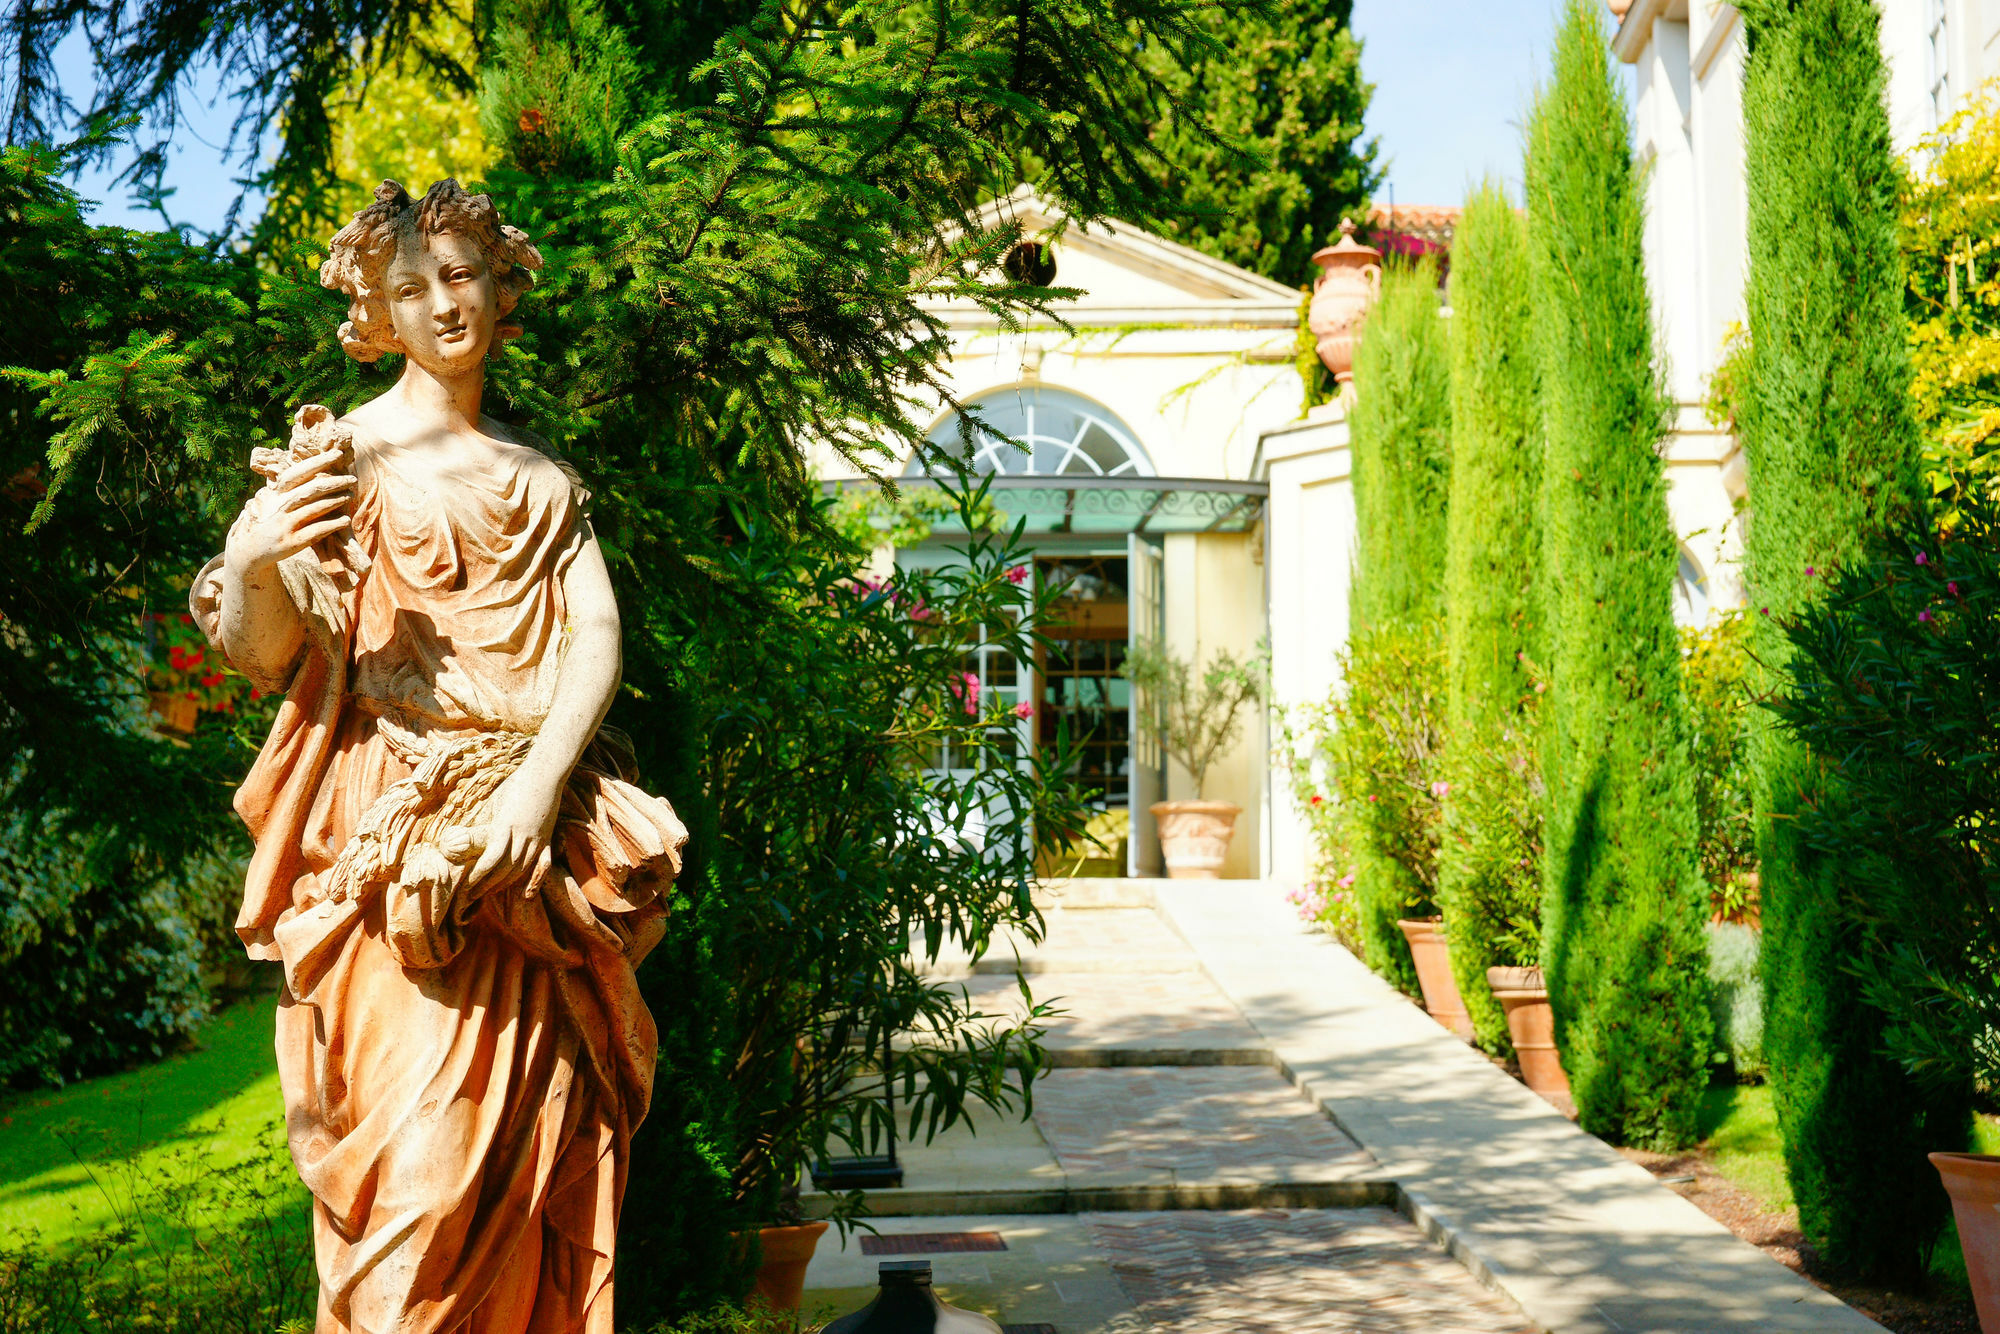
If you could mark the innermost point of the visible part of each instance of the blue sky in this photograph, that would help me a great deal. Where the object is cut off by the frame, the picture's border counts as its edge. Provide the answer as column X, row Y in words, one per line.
column 1452, row 80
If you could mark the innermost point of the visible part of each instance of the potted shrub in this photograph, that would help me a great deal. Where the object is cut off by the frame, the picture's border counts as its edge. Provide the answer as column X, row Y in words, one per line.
column 846, row 851
column 1193, row 721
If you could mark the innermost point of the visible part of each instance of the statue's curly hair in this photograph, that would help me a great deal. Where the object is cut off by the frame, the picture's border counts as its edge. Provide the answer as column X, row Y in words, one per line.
column 357, row 262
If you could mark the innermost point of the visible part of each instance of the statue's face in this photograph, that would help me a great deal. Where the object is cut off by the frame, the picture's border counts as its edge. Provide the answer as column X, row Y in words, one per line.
column 443, row 301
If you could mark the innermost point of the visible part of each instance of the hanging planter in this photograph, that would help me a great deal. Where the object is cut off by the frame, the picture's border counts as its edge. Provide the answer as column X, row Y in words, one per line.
column 1431, row 953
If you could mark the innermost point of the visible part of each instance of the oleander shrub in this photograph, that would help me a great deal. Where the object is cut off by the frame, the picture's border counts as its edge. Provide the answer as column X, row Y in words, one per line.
column 1893, row 678
column 1623, row 903
column 1826, row 425
column 1384, row 754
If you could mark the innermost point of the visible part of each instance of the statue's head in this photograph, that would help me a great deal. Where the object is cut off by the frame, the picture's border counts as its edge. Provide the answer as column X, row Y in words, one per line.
column 435, row 278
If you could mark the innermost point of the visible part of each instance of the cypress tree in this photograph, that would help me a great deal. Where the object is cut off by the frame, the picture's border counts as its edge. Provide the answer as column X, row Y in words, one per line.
column 1833, row 454
column 1488, row 886
column 1622, row 897
column 1284, row 82
column 1400, row 430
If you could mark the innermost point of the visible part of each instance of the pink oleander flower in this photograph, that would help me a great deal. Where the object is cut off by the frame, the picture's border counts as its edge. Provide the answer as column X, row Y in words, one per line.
column 1440, row 788
column 966, row 687
column 1952, row 588
column 1018, row 575
column 1810, row 572
column 1923, row 559
column 1346, row 881
column 1925, row 616
column 1373, row 797
column 1024, row 710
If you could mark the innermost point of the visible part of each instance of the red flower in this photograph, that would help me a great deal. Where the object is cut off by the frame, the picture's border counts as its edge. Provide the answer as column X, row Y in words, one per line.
column 178, row 657
column 212, row 680
column 1018, row 575
column 1317, row 799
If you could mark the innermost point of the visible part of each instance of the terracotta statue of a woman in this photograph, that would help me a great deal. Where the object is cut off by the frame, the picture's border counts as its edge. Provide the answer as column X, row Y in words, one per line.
column 452, row 860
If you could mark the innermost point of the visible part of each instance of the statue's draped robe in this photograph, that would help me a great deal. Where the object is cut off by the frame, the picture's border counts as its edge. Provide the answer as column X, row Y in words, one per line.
column 462, row 1074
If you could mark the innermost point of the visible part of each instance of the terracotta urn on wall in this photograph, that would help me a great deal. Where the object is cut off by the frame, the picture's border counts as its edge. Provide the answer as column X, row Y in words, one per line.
column 1431, row 953
column 1350, row 278
column 1194, row 836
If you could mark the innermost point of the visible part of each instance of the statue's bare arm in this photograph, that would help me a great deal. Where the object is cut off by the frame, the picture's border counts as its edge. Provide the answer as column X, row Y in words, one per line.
column 260, row 629
column 524, row 809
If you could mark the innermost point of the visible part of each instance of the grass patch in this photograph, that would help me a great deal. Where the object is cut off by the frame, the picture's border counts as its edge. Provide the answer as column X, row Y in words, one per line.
column 220, row 1102
column 1739, row 1129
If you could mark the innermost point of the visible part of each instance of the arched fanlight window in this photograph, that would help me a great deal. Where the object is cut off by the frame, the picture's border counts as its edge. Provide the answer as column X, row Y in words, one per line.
column 1690, row 592
column 1066, row 435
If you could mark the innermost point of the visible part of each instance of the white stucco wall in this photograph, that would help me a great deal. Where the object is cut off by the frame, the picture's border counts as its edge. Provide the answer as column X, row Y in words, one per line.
column 1309, row 557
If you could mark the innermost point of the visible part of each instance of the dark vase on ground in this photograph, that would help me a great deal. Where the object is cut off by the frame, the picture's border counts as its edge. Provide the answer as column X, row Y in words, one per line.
column 907, row 1304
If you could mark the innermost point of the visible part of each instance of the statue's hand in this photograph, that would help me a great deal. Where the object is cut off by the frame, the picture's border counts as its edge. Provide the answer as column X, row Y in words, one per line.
column 304, row 503
column 514, row 843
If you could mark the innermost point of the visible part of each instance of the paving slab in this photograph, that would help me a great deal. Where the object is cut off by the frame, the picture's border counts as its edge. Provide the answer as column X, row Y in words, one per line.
column 1171, row 1016
column 1214, row 1124
column 1581, row 1239
column 1313, row 1271
column 1120, row 940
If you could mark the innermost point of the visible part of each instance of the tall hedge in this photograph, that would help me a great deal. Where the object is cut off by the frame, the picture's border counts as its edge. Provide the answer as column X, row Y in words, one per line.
column 1622, row 899
column 1400, row 434
column 1488, row 878
column 1832, row 452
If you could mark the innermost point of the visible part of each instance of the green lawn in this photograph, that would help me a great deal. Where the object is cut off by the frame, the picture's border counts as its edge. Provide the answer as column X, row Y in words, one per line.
column 58, row 1149
column 1739, row 1127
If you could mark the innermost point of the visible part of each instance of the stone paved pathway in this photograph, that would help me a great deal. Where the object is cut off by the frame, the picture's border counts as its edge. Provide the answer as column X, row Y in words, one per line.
column 1161, row 1084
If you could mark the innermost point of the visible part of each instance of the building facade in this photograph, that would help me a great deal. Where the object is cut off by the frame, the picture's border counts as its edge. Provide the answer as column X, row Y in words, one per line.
column 1686, row 58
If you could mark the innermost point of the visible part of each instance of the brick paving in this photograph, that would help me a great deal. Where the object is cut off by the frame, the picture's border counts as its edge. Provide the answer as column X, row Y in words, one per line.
column 1300, row 1271
column 1211, row 1123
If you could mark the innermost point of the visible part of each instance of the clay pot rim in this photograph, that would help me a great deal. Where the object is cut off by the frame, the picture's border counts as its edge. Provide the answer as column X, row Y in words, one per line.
column 1504, row 979
column 1191, row 805
column 1989, row 1161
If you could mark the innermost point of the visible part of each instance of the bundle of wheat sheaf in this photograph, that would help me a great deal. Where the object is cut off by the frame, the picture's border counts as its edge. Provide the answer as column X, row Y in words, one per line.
column 418, row 834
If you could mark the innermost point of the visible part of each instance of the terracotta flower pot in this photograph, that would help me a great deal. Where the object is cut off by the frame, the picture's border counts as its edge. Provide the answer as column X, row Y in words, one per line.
column 1432, row 954
column 781, row 1277
column 1532, row 1025
column 1194, row 836
column 1973, row 1181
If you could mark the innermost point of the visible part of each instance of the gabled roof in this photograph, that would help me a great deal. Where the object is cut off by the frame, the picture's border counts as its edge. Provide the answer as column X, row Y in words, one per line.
column 1130, row 276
